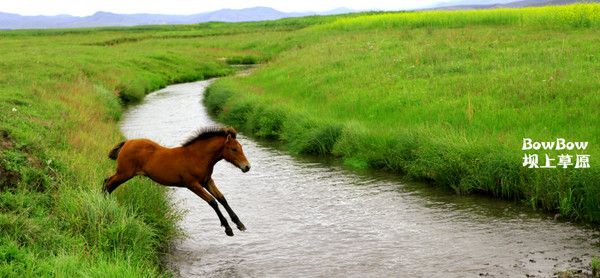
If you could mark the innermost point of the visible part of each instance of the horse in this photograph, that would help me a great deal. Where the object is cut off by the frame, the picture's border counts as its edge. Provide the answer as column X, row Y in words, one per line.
column 190, row 165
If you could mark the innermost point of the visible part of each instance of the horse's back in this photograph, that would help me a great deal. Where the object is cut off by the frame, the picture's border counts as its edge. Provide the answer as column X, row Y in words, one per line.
column 137, row 151
column 142, row 143
column 161, row 164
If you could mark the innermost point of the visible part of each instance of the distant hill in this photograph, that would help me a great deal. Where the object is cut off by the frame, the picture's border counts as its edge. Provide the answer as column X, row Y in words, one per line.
column 469, row 5
column 15, row 21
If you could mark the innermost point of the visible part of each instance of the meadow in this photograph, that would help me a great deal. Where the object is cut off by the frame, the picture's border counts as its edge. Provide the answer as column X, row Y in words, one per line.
column 442, row 97
column 62, row 93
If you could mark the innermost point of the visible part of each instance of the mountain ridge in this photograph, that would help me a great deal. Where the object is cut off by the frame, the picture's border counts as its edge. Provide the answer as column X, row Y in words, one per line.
column 105, row 19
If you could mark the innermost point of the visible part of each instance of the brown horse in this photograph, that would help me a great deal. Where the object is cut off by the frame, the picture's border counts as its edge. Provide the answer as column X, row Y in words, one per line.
column 190, row 165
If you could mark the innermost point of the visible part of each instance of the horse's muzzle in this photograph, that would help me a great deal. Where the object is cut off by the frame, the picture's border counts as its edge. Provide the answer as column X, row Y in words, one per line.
column 245, row 168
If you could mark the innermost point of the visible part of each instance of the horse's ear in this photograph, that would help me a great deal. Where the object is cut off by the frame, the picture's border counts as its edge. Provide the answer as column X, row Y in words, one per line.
column 228, row 138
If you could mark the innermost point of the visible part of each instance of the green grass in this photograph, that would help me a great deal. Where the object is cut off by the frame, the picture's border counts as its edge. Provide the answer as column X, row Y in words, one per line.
column 441, row 97
column 567, row 16
column 61, row 96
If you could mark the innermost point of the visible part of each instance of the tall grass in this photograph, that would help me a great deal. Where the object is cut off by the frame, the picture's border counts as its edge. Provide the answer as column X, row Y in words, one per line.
column 448, row 104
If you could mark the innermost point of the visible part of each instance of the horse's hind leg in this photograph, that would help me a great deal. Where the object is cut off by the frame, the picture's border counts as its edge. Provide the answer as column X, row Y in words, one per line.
column 212, row 188
column 111, row 183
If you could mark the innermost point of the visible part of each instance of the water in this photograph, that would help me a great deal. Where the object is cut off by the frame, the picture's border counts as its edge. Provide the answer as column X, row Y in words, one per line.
column 308, row 219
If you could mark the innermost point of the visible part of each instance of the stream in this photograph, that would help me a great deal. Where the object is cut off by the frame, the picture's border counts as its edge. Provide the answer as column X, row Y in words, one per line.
column 305, row 218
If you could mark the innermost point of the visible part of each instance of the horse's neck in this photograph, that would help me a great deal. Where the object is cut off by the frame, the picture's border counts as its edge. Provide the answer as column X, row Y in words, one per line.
column 209, row 150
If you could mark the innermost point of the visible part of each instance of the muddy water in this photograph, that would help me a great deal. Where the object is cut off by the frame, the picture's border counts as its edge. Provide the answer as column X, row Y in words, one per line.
column 308, row 219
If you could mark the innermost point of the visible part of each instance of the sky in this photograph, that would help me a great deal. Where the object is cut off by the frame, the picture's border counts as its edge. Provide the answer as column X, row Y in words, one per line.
column 87, row 7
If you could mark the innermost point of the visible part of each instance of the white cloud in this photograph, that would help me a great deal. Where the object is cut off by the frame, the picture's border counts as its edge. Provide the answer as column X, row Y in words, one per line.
column 87, row 7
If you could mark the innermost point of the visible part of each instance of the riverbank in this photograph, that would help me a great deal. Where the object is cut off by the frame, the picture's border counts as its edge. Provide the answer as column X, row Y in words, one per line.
column 441, row 97
column 295, row 203
column 62, row 93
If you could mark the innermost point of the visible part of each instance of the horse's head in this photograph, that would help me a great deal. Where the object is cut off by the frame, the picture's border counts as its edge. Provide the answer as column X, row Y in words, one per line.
column 233, row 153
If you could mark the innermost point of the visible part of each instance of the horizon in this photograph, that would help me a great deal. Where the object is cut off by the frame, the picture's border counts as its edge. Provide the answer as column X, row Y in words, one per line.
column 172, row 14
column 182, row 7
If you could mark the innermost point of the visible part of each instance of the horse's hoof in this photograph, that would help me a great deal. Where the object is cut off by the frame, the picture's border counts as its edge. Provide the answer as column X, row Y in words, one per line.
column 241, row 227
column 229, row 231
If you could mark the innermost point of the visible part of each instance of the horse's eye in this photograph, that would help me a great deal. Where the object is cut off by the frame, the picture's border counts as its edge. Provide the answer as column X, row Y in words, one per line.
column 235, row 150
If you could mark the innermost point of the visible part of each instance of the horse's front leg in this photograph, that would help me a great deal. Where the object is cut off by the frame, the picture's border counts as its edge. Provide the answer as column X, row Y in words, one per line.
column 200, row 191
column 212, row 188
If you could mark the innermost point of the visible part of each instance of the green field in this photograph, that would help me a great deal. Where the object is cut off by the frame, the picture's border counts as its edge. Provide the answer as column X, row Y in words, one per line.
column 444, row 97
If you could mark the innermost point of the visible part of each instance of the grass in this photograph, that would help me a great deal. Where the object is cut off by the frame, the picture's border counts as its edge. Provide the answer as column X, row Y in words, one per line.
column 567, row 16
column 441, row 97
column 62, row 93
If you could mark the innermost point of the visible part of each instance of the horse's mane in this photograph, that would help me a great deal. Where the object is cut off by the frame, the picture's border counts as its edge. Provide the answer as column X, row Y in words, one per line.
column 209, row 132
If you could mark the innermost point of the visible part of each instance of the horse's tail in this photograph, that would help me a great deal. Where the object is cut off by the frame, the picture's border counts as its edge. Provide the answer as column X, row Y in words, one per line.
column 115, row 151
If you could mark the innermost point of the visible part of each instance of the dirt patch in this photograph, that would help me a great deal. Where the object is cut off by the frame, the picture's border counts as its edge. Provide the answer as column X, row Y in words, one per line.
column 5, row 141
column 8, row 178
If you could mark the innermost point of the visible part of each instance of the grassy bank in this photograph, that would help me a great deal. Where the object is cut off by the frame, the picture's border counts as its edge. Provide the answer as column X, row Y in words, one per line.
column 61, row 95
column 443, row 97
